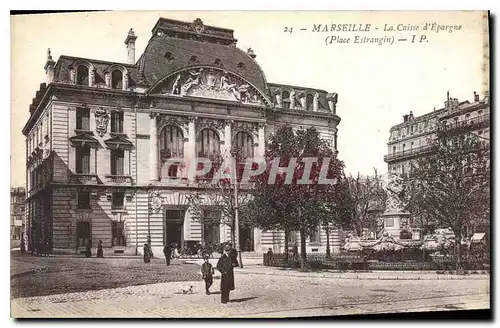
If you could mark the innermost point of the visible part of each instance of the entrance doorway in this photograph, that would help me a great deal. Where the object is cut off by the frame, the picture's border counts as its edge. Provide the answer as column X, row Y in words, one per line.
column 246, row 239
column 174, row 227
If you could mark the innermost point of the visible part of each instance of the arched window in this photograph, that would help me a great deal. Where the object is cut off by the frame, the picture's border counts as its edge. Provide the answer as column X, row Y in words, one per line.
column 117, row 79
column 82, row 75
column 171, row 146
column 309, row 102
column 285, row 99
column 208, row 143
column 171, row 142
column 243, row 141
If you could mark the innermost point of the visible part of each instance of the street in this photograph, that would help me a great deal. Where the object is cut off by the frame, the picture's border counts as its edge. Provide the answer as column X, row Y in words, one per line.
column 256, row 295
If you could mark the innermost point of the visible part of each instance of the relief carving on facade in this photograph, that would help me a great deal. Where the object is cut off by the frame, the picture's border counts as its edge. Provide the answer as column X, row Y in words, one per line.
column 212, row 83
column 101, row 120
column 179, row 121
column 155, row 201
column 217, row 125
column 250, row 128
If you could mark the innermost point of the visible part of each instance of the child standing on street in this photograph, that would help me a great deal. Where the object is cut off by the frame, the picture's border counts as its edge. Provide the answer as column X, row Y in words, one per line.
column 208, row 273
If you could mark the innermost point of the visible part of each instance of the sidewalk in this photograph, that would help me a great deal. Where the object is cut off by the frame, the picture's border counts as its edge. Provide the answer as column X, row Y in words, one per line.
column 375, row 275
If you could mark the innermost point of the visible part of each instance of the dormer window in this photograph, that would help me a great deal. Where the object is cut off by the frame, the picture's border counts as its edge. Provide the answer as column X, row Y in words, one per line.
column 82, row 75
column 285, row 99
column 241, row 65
column 218, row 62
column 193, row 59
column 117, row 79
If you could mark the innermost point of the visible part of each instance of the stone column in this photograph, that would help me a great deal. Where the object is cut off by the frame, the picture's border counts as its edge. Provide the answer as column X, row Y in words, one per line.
column 190, row 148
column 153, row 148
column 227, row 138
column 261, row 149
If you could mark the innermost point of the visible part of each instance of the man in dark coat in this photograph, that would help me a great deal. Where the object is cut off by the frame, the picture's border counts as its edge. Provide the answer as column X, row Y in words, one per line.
column 147, row 253
column 226, row 266
column 100, row 251
column 167, row 251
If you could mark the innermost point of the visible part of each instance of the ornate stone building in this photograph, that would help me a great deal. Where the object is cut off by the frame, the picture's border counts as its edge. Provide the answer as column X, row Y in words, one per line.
column 17, row 196
column 412, row 138
column 99, row 133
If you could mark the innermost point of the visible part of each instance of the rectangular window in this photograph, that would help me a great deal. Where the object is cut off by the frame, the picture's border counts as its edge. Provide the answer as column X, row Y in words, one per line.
column 118, row 233
column 83, row 200
column 389, row 222
column 83, row 119
column 82, row 160
column 117, row 156
column 83, row 234
column 314, row 237
column 117, row 202
column 211, row 226
column 117, row 122
column 394, row 149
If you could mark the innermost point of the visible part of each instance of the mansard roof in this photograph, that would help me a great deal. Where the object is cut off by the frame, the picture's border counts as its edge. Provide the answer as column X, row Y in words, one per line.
column 65, row 63
column 166, row 53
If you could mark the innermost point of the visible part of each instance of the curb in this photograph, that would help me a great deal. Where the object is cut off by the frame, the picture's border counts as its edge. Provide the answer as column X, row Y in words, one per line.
column 27, row 272
column 357, row 277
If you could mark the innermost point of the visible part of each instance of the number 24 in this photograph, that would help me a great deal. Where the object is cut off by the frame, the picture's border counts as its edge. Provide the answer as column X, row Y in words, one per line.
column 288, row 29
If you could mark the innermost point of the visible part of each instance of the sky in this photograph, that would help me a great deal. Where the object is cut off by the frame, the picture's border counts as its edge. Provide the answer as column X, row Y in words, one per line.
column 376, row 84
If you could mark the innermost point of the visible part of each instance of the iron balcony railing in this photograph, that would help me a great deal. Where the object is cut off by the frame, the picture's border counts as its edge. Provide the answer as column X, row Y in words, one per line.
column 408, row 153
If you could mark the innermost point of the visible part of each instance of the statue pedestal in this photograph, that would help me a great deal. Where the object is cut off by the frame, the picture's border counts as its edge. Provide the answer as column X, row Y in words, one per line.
column 392, row 222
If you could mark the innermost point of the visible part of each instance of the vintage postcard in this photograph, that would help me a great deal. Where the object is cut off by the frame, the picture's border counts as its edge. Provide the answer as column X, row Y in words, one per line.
column 250, row 164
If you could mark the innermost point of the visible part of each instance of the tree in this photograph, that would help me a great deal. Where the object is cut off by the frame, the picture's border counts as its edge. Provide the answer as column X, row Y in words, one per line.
column 218, row 193
column 367, row 199
column 286, row 202
column 451, row 185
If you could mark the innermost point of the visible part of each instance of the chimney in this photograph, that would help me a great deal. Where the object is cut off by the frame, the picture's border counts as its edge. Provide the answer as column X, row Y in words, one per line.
column 49, row 68
column 476, row 97
column 251, row 53
column 130, row 42
column 405, row 118
column 411, row 115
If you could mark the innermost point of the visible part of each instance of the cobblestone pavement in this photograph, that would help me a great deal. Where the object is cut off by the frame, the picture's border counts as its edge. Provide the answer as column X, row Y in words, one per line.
column 57, row 275
column 262, row 296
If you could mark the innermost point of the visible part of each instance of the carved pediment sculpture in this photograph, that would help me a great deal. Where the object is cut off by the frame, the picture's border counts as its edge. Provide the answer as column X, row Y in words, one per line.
column 209, row 82
column 101, row 120
column 155, row 202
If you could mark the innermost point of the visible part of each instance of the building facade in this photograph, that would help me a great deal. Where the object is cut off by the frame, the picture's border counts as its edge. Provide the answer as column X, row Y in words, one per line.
column 17, row 197
column 100, row 133
column 413, row 138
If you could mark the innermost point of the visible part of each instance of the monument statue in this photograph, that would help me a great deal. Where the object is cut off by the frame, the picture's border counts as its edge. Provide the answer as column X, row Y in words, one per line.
column 395, row 194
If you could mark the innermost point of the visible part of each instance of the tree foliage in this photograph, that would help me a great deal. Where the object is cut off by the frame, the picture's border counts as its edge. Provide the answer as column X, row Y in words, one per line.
column 366, row 201
column 284, row 203
column 450, row 187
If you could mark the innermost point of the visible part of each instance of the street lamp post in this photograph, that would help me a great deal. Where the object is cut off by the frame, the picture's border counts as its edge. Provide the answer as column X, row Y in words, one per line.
column 237, row 220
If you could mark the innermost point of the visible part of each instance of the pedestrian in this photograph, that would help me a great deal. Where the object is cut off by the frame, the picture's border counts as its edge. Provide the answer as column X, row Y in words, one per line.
column 88, row 250
column 47, row 248
column 100, row 252
column 175, row 252
column 147, row 253
column 295, row 251
column 208, row 274
column 226, row 267
column 269, row 257
column 167, row 251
